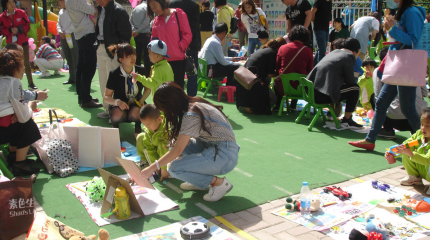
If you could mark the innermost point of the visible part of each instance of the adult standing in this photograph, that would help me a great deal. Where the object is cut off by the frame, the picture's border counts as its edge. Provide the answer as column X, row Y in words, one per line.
column 241, row 29
column 409, row 30
column 142, row 34
column 224, row 16
column 252, row 19
column 79, row 11
column 348, row 14
column 15, row 25
column 113, row 27
column 322, row 12
column 205, row 144
column 299, row 12
column 192, row 9
column 171, row 26
column 362, row 28
column 206, row 21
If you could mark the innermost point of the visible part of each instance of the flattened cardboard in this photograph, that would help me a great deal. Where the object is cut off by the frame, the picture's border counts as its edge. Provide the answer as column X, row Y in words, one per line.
column 134, row 172
column 90, row 147
column 111, row 145
column 107, row 176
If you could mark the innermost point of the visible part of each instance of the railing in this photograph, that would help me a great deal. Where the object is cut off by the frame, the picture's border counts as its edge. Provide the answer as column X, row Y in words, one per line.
column 360, row 8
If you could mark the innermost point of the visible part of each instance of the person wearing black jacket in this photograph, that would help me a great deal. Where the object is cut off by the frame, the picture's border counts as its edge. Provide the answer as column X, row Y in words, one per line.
column 192, row 9
column 113, row 27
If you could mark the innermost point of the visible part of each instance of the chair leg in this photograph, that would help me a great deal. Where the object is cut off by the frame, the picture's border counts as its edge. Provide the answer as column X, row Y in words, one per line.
column 336, row 121
column 4, row 169
column 281, row 107
column 307, row 107
column 199, row 84
column 288, row 104
column 323, row 116
column 314, row 120
column 207, row 89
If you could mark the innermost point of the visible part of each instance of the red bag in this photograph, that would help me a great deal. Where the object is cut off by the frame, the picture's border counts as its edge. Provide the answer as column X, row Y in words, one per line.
column 17, row 207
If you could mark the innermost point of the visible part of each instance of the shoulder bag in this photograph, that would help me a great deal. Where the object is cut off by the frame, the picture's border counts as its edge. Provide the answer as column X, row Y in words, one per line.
column 21, row 109
column 278, row 80
column 233, row 23
column 190, row 68
column 245, row 77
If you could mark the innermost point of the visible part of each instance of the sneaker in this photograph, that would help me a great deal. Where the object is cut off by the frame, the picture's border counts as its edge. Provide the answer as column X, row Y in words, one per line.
column 190, row 187
column 31, row 86
column 57, row 72
column 104, row 114
column 350, row 123
column 29, row 153
column 387, row 134
column 217, row 192
column 411, row 180
column 329, row 117
column 45, row 74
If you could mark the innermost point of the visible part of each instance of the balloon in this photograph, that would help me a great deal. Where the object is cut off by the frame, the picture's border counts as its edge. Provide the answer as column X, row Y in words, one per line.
column 30, row 41
column 33, row 46
column 370, row 113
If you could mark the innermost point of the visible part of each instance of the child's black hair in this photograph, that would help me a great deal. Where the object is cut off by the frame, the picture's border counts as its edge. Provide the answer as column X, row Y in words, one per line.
column 383, row 53
column 369, row 61
column 425, row 112
column 149, row 111
column 122, row 50
column 206, row 4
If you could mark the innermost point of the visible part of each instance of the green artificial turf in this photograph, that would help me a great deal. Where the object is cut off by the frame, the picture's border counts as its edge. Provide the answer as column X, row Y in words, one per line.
column 276, row 156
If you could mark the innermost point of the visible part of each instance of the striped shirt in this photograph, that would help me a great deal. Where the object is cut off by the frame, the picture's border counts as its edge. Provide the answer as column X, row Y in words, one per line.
column 47, row 52
column 78, row 11
column 216, row 123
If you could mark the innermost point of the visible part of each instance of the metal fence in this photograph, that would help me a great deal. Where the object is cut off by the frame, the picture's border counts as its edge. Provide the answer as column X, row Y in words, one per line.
column 358, row 8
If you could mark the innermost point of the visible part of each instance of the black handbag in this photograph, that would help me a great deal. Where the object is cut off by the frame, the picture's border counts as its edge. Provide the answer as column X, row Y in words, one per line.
column 190, row 68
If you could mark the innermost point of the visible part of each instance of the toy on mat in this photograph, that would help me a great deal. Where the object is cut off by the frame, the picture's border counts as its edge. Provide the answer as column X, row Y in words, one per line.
column 381, row 186
column 96, row 189
column 295, row 204
column 195, row 230
column 374, row 236
column 338, row 192
column 377, row 226
column 395, row 149
column 103, row 235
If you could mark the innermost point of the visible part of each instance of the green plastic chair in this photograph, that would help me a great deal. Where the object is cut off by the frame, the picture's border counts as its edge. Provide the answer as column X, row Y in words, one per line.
column 293, row 91
column 202, row 76
column 373, row 55
column 3, row 162
column 308, row 95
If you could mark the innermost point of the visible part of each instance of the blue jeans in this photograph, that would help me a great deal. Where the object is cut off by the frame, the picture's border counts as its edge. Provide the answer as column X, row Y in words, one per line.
column 253, row 44
column 86, row 68
column 321, row 37
column 407, row 96
column 192, row 80
column 198, row 163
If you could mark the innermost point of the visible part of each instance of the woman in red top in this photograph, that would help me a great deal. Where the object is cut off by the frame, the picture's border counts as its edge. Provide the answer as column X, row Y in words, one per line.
column 15, row 25
column 303, row 63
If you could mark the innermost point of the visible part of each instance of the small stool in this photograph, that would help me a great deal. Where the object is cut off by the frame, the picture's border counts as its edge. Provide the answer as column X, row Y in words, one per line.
column 230, row 93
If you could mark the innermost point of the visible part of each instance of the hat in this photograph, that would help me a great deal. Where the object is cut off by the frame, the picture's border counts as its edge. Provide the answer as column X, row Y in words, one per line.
column 159, row 47
column 262, row 34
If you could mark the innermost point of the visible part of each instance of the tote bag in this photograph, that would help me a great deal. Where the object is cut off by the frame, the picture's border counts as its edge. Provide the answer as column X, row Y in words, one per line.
column 405, row 67
column 21, row 109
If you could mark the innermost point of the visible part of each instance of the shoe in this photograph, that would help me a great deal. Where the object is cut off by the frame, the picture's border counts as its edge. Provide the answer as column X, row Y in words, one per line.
column 21, row 168
column 95, row 99
column 411, row 180
column 387, row 134
column 29, row 153
column 217, row 192
column 69, row 82
column 427, row 190
column 330, row 117
column 45, row 74
column 190, row 187
column 31, row 86
column 368, row 147
column 91, row 104
column 57, row 72
column 104, row 114
column 350, row 123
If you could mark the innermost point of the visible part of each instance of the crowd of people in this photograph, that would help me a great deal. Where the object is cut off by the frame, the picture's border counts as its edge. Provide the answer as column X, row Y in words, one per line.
column 170, row 34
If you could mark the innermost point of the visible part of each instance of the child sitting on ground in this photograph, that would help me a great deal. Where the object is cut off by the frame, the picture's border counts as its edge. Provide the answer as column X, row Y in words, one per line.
column 161, row 71
column 416, row 159
column 367, row 96
column 152, row 143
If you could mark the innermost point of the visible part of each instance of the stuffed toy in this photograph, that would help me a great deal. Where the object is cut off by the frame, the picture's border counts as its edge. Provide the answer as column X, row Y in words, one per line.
column 358, row 234
column 315, row 204
column 295, row 204
column 103, row 235
column 377, row 226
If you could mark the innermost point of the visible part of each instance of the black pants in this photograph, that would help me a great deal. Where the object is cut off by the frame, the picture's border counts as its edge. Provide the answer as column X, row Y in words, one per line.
column 399, row 124
column 178, row 68
column 20, row 135
column 142, row 40
column 87, row 63
column 350, row 93
column 220, row 71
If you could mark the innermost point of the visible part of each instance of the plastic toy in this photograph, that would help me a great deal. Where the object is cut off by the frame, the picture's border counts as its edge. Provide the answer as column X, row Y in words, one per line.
column 381, row 186
column 66, row 120
column 338, row 192
column 377, row 227
column 374, row 236
column 96, row 189
column 370, row 113
column 195, row 230
column 103, row 235
column 395, row 149
column 292, row 204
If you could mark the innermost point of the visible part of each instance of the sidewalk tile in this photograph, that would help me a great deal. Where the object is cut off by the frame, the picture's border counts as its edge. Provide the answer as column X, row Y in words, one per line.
column 317, row 234
column 280, row 227
column 261, row 208
column 215, row 221
column 270, row 218
column 249, row 217
column 299, row 230
column 284, row 236
column 396, row 176
column 253, row 227
column 389, row 181
column 229, row 217
column 307, row 237
column 263, row 235
column 327, row 238
column 278, row 203
column 240, row 223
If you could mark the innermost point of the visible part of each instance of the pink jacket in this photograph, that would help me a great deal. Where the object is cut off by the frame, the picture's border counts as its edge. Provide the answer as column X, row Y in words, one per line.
column 169, row 33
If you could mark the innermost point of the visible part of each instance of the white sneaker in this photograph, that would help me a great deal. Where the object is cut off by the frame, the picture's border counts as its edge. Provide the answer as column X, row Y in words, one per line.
column 411, row 180
column 190, row 187
column 57, row 72
column 45, row 74
column 104, row 114
column 217, row 192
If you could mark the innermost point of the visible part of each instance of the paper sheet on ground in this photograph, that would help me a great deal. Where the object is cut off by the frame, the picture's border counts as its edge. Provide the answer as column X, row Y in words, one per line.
column 172, row 231
column 43, row 115
column 152, row 201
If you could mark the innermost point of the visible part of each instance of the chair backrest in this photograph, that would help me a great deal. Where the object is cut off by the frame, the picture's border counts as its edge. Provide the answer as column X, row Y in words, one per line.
column 307, row 90
column 202, row 69
column 291, row 84
column 372, row 53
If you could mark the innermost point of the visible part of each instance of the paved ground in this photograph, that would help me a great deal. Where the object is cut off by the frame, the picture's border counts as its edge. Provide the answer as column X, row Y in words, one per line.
column 259, row 223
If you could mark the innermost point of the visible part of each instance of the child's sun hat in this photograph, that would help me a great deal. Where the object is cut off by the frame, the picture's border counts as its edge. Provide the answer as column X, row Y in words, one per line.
column 158, row 47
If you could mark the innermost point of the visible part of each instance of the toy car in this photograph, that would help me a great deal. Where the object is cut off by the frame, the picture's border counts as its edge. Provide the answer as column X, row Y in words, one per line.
column 338, row 192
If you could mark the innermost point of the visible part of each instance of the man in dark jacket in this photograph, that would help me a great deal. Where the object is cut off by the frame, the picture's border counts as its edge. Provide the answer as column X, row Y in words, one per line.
column 113, row 27
column 192, row 10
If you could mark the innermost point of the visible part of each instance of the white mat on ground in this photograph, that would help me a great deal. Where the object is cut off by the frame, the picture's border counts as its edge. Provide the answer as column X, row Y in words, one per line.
column 151, row 201
column 332, row 126
column 172, row 231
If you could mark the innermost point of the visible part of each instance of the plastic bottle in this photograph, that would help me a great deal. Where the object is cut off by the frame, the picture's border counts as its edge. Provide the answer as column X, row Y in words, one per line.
column 305, row 200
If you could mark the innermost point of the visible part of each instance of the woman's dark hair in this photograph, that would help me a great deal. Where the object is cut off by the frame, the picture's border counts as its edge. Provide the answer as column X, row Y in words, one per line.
column 219, row 3
column 221, row 27
column 174, row 102
column 405, row 4
column 377, row 16
column 4, row 4
column 122, row 50
column 10, row 62
column 338, row 43
column 206, row 4
column 369, row 61
column 48, row 41
column 275, row 43
column 339, row 20
column 299, row 33
column 383, row 53
column 249, row 2
column 351, row 44
column 262, row 34
column 164, row 5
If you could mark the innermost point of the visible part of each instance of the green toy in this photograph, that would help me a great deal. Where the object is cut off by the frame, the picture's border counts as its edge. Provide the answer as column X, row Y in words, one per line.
column 96, row 189
column 292, row 204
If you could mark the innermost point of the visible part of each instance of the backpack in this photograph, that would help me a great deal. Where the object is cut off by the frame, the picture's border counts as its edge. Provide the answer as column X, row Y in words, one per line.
column 233, row 23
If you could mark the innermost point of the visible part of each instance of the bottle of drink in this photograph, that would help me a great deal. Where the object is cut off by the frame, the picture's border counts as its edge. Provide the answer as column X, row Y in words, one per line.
column 305, row 200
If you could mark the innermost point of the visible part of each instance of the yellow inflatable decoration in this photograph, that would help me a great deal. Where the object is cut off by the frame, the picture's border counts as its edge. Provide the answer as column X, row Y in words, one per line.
column 41, row 31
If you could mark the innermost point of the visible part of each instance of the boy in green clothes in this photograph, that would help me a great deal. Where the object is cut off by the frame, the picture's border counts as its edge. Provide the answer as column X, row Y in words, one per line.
column 367, row 96
column 160, row 72
column 152, row 143
column 416, row 159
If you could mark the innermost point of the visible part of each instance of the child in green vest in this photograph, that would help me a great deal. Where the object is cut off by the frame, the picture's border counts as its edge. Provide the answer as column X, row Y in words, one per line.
column 367, row 96
column 161, row 71
column 416, row 159
column 152, row 143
